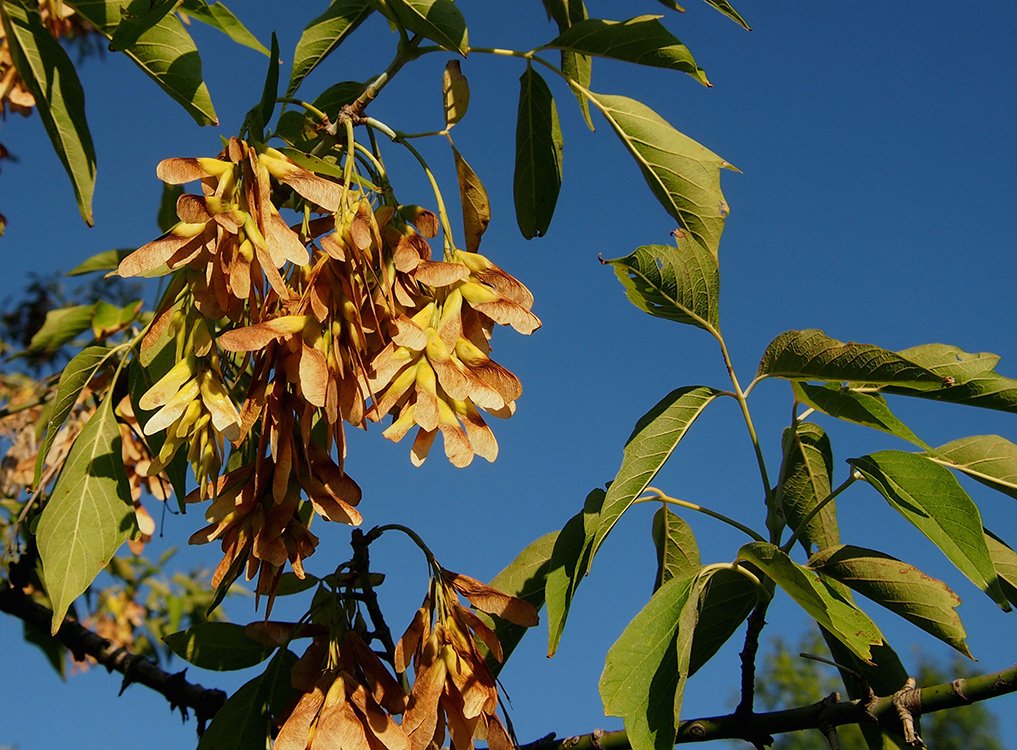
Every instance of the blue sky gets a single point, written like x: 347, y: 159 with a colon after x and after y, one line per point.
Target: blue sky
x: 876, y: 143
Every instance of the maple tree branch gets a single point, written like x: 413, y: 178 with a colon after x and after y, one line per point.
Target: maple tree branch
x: 825, y: 714
x: 757, y: 621
x: 82, y: 642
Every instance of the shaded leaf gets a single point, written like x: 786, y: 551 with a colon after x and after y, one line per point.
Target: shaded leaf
x: 640, y: 682
x: 570, y: 557
x: 806, y: 480
x: 323, y: 35
x: 929, y: 496
x: 167, y: 217
x: 989, y: 459
x: 476, y: 205
x: 110, y: 319
x: 576, y: 67
x: 728, y: 10
x: 972, y: 379
x: 812, y: 355
x: 726, y: 599
x: 60, y: 326
x: 839, y: 616
x: 258, y: 117
x: 643, y: 41
x: 901, y: 588
x: 676, y: 283
x: 88, y: 515
x: 539, y: 148
x: 73, y: 379
x: 683, y: 175
x: 49, y: 74
x: 675, y: 544
x: 220, y: 646
x: 107, y: 260
x: 245, y: 721
x: 455, y: 93
x: 525, y: 578
x: 165, y: 52
x: 437, y: 20
x: 867, y: 409
x: 221, y: 18
x: 1004, y: 559
x: 51, y: 648
x: 656, y: 435
x: 137, y: 17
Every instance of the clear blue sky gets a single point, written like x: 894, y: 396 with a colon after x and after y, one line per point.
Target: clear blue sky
x: 877, y: 144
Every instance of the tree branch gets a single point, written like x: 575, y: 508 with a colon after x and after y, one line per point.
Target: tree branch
x: 825, y: 715
x: 82, y: 642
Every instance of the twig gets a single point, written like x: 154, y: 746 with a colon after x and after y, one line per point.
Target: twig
x: 82, y: 642
x: 361, y: 566
x: 748, y: 658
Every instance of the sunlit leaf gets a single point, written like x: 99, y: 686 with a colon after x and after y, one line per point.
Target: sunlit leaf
x: 806, y: 480
x: 323, y: 35
x: 682, y: 174
x: 1004, y: 559
x: 643, y: 40
x: 930, y: 497
x: 221, y: 18
x: 728, y: 10
x: 812, y: 355
x: 73, y: 379
x: 476, y: 205
x: 137, y: 17
x: 901, y: 588
x: 437, y: 20
x: 165, y: 52
x: 455, y: 93
x: 866, y: 409
x: 576, y: 67
x: 107, y: 260
x: 676, y: 283
x: 49, y: 74
x: 675, y: 544
x: 971, y: 379
x: 88, y: 515
x: 539, y: 148
x: 220, y: 646
x: 570, y: 557
x: 990, y: 459
x: 110, y: 319
x: 641, y: 678
x: 656, y: 435
x: 60, y: 326
x: 851, y: 626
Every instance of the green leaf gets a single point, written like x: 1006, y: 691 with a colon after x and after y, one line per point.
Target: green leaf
x: 683, y: 175
x: 525, y: 577
x: 54, y: 651
x: 672, y: 5
x: 221, y: 18
x: 167, y: 217
x: 867, y: 409
x: 805, y: 480
x: 576, y: 67
x: 539, y: 148
x: 989, y: 459
x: 971, y: 379
x: 220, y: 646
x: 476, y: 205
x: 677, y: 551
x: 49, y: 74
x: 107, y: 260
x: 290, y: 584
x: 726, y: 599
x: 656, y: 435
x: 643, y: 40
x: 73, y: 379
x: 728, y: 10
x: 165, y: 52
x: 1004, y: 559
x: 901, y: 588
x: 60, y: 326
x: 570, y: 557
x: 675, y: 283
x: 851, y: 626
x: 138, y: 17
x: 437, y: 20
x: 245, y: 721
x: 259, y: 116
x: 812, y: 355
x: 929, y: 496
x: 323, y: 35
x: 640, y: 682
x: 88, y: 515
x: 110, y: 319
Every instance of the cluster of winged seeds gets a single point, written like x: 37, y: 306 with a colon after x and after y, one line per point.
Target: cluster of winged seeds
x: 281, y: 334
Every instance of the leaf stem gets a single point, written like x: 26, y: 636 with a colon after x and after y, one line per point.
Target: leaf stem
x: 442, y: 210
x: 377, y: 531
x: 659, y: 496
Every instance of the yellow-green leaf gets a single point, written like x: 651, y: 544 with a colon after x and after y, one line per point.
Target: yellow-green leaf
x: 455, y: 90
x: 323, y: 35
x: 220, y: 646
x: 805, y: 480
x: 868, y: 409
x: 675, y: 544
x: 88, y: 515
x: 438, y: 20
x: 221, y: 18
x: 989, y: 459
